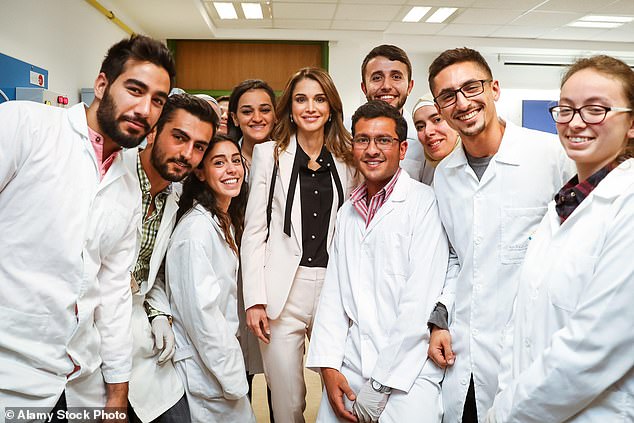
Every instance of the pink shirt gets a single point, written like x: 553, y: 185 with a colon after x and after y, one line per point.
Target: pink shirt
x: 96, y: 140
x: 367, y: 209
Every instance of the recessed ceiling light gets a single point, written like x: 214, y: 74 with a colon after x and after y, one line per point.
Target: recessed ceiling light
x: 597, y: 18
x: 584, y: 24
x: 226, y: 10
x: 416, y: 13
x: 441, y: 14
x: 252, y: 10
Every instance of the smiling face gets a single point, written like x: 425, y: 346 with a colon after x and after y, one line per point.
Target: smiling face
x: 309, y: 108
x: 469, y: 116
x: 594, y: 146
x: 130, y: 106
x: 437, y: 138
x: 224, y: 115
x: 255, y: 116
x: 377, y: 166
x: 180, y: 146
x: 223, y: 172
x: 387, y: 80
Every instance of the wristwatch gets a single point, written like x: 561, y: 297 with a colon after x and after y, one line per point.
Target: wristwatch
x: 380, y: 388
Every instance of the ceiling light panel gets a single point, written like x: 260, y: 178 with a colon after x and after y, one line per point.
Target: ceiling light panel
x: 596, y: 18
x: 440, y: 15
x: 225, y: 10
x: 252, y: 10
x: 588, y: 24
x: 416, y: 14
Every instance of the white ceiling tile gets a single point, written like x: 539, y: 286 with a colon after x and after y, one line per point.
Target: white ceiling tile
x: 582, y: 6
x: 521, y: 31
x: 617, y: 35
x: 443, y: 3
x: 621, y: 7
x: 507, y: 4
x: 540, y: 18
x: 385, y: 2
x: 367, y: 12
x: 572, y: 33
x: 490, y: 16
x: 301, y: 24
x: 463, y: 30
x: 348, y: 25
x: 414, y: 28
x: 296, y: 1
x: 303, y: 10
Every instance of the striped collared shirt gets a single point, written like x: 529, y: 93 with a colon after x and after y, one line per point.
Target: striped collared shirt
x: 367, y: 209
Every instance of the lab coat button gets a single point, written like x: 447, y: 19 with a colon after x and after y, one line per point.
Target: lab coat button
x: 474, y: 332
x: 527, y: 342
x: 463, y: 381
x: 478, y: 240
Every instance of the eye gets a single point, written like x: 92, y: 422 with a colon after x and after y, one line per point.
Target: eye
x: 219, y: 163
x: 361, y: 140
x: 266, y: 110
x: 594, y: 110
x: 446, y: 97
x: 134, y: 90
x: 300, y: 99
x: 237, y: 160
x: 472, y: 87
x: 321, y: 100
x: 437, y: 119
x: 246, y: 112
x: 200, y: 147
x: 397, y: 77
x: 420, y: 127
x: 383, y: 141
x: 376, y: 77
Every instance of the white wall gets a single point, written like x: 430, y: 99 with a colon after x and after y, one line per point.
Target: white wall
x: 69, y: 38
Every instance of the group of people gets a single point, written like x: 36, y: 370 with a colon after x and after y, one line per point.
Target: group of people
x: 445, y: 264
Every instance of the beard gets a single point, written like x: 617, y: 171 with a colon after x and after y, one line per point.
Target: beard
x: 109, y: 123
x: 160, y: 162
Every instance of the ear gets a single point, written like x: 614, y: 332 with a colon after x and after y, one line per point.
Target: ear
x: 101, y: 84
x: 630, y: 132
x: 234, y: 117
x: 495, y: 89
x: 403, y: 149
x: 410, y: 86
x: 200, y: 174
x: 151, y: 137
x: 363, y: 88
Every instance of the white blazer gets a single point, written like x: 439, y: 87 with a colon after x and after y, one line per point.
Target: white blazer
x: 67, y: 246
x: 571, y: 351
x: 202, y: 272
x: 153, y: 388
x: 268, y: 267
x: 381, y: 284
x: 488, y: 223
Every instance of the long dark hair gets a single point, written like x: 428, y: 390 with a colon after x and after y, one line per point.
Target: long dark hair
x: 243, y: 87
x: 195, y: 190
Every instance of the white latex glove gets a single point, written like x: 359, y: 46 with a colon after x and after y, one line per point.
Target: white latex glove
x: 369, y: 404
x: 163, y: 338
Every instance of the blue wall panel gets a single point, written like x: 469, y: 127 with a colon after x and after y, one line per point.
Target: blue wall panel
x: 16, y: 73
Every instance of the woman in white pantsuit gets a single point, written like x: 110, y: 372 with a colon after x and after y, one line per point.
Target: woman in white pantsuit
x: 298, y: 182
x: 202, y: 270
x: 570, y: 345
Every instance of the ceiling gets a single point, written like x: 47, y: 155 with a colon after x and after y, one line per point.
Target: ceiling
x: 512, y: 26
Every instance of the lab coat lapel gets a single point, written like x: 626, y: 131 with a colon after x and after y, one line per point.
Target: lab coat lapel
x: 397, y: 196
x: 286, y: 160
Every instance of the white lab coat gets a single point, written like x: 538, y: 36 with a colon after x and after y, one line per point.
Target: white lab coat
x: 202, y: 271
x: 381, y: 284
x: 571, y: 353
x: 154, y: 388
x: 488, y: 223
x: 67, y: 246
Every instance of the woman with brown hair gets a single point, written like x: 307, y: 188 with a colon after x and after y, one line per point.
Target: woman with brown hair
x: 298, y: 181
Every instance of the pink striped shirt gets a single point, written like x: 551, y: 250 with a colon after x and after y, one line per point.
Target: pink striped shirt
x: 367, y: 209
x: 96, y: 140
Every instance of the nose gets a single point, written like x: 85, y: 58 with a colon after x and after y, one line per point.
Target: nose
x: 257, y: 116
x: 461, y: 100
x: 576, y: 121
x: 310, y: 105
x: 187, y: 150
x: 372, y: 149
x: 143, y: 106
x: 430, y: 130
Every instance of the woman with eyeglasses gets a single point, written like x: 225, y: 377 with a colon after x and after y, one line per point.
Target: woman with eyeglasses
x: 298, y: 181
x: 201, y: 267
x: 570, y: 344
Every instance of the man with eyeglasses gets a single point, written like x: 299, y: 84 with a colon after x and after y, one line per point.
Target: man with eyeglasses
x: 492, y: 193
x: 386, y: 269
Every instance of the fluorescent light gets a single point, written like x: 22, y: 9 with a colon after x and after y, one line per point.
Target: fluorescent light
x: 226, y: 10
x: 441, y: 14
x: 584, y: 24
x: 596, y: 18
x: 252, y: 10
x: 416, y: 14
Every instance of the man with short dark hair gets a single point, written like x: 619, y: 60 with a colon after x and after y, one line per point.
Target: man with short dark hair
x: 173, y: 150
x: 386, y: 75
x: 386, y: 269
x: 68, y: 215
x: 492, y: 193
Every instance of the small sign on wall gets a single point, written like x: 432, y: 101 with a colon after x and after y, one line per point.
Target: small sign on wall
x: 37, y: 79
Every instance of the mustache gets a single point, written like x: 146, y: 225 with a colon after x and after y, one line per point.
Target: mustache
x: 181, y: 161
x: 139, y: 121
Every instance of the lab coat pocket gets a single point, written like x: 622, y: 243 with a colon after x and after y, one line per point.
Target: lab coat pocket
x: 517, y: 226
x: 201, y: 382
x: 569, y: 281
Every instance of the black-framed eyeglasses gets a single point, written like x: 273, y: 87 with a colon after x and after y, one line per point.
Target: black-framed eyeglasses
x: 468, y: 90
x: 591, y: 114
x: 382, y: 143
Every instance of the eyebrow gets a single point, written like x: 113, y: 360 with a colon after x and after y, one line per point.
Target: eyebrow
x: 446, y: 90
x: 144, y: 86
x: 588, y: 100
x: 180, y: 132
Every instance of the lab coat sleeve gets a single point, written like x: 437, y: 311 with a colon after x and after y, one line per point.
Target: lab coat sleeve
x: 156, y: 296
x: 114, y: 313
x: 253, y: 249
x: 448, y: 295
x: 330, y: 330
x: 401, y: 360
x: 15, y: 141
x: 592, y: 351
x: 195, y: 292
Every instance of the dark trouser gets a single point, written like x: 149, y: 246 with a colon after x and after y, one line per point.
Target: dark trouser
x: 268, y: 397
x: 178, y: 413
x: 61, y: 405
x: 470, y: 411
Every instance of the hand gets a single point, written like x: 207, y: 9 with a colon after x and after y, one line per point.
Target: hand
x: 440, y: 347
x: 490, y: 417
x: 337, y: 386
x: 258, y: 322
x: 163, y: 338
x: 117, y: 401
x: 369, y: 404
